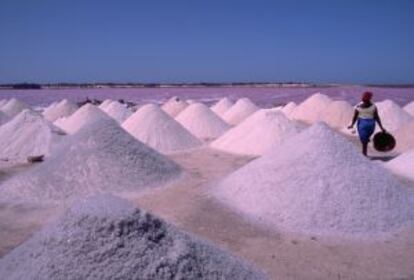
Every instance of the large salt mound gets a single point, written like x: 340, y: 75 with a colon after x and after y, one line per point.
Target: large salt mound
x: 258, y: 134
x: 101, y: 157
x: 392, y: 115
x: 174, y: 106
x: 404, y: 137
x: 221, y: 107
x: 309, y: 110
x: 85, y: 115
x: 318, y: 183
x: 3, y: 118
x: 64, y: 108
x: 105, y: 237
x: 202, y: 122
x: 337, y: 114
x: 3, y: 102
x: 403, y: 165
x: 240, y: 111
x: 159, y: 130
x: 409, y: 108
x: 27, y: 134
x: 13, y: 107
x: 117, y: 111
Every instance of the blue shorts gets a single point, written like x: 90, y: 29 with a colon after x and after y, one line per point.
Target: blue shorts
x: 366, y: 128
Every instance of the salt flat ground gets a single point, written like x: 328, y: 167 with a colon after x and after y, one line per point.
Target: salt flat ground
x: 283, y: 256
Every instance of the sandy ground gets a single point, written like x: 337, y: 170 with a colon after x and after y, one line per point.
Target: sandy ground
x: 283, y: 256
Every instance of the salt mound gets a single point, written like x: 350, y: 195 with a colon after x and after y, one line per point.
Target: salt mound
x: 409, y: 108
x: 174, y: 106
x: 13, y: 107
x: 202, y: 122
x: 240, y: 111
x: 85, y: 115
x: 404, y: 137
x: 318, y: 183
x: 27, y: 134
x: 337, y: 114
x: 105, y: 103
x: 101, y: 157
x: 3, y: 102
x: 403, y: 165
x: 309, y: 110
x: 64, y: 108
x: 117, y: 111
x: 105, y: 237
x: 159, y: 130
x: 258, y: 134
x: 392, y: 115
x: 221, y: 107
x: 3, y: 118
x: 289, y: 108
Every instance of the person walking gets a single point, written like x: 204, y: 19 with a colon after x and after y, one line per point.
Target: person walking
x: 366, y: 115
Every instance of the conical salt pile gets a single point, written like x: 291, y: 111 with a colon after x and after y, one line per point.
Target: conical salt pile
x: 157, y: 129
x: 117, y: 111
x: 319, y: 183
x: 85, y: 115
x: 202, y: 122
x: 404, y: 137
x: 64, y: 108
x: 222, y: 106
x: 337, y: 114
x: 240, y: 111
x: 101, y: 157
x: 3, y: 102
x: 105, y: 237
x: 258, y: 134
x: 105, y: 103
x: 27, y: 134
x: 174, y: 106
x: 392, y: 115
x: 3, y: 118
x: 409, y: 108
x: 289, y: 108
x: 13, y: 107
x: 309, y: 110
x: 403, y: 165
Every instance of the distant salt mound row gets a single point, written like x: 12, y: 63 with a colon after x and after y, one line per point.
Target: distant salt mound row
x: 403, y: 165
x: 117, y: 111
x: 222, y: 106
x: 85, y: 115
x: 105, y: 237
x: 101, y: 157
x: 337, y: 114
x: 3, y: 118
x: 157, y: 129
x: 392, y: 115
x: 258, y: 134
x: 174, y: 106
x: 409, y: 108
x: 289, y: 108
x: 105, y: 103
x: 191, y: 101
x: 13, y: 107
x: 202, y: 122
x: 318, y: 183
x: 240, y: 111
x: 27, y: 134
x: 404, y: 137
x: 64, y: 108
x: 309, y: 110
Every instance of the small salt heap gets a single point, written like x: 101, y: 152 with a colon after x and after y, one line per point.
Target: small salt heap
x: 101, y: 157
x: 403, y: 165
x: 105, y: 237
x: 392, y: 115
x: 409, y: 108
x: 289, y: 108
x: 221, y: 107
x: 64, y: 108
x: 13, y: 107
x: 258, y: 134
x: 3, y: 118
x: 337, y: 114
x: 318, y: 183
x: 404, y: 137
x: 309, y: 110
x: 202, y: 122
x: 240, y: 111
x: 27, y: 135
x: 157, y: 129
x: 117, y: 111
x: 105, y: 103
x: 174, y: 106
x: 3, y: 102
x: 85, y: 115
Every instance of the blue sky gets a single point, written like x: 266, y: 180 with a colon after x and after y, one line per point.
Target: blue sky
x: 191, y: 41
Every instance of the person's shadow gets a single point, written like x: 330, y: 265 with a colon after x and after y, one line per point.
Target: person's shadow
x: 382, y: 158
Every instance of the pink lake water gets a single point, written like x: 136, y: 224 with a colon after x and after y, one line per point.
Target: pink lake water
x: 265, y: 97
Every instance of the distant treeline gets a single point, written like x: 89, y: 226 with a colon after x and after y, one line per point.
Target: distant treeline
x: 22, y: 86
